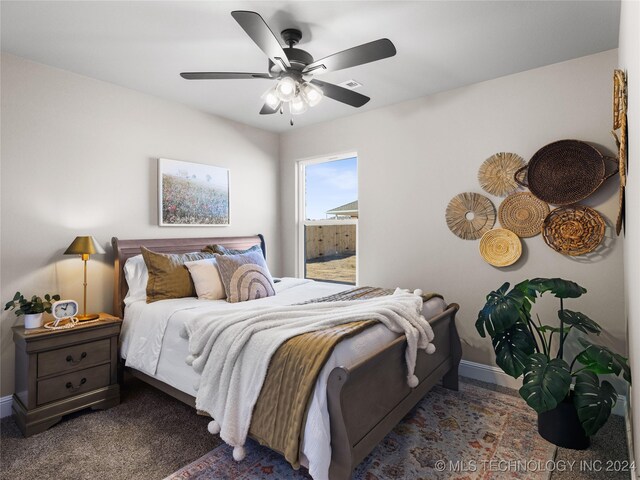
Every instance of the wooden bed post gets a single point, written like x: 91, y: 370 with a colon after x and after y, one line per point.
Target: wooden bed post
x: 361, y: 413
x: 450, y: 380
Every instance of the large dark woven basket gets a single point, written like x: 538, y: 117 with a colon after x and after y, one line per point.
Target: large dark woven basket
x: 565, y: 172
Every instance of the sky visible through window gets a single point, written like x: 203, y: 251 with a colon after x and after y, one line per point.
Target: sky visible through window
x: 329, y: 185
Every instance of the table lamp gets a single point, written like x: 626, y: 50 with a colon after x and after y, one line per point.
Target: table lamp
x: 85, y: 246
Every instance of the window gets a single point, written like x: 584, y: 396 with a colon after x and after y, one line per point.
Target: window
x: 328, y: 219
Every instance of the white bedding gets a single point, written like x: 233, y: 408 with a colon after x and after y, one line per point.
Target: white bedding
x: 151, y: 343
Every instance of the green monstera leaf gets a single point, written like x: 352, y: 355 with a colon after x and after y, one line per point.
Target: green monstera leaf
x: 513, y: 348
x: 593, y: 401
x: 601, y: 360
x: 501, y: 311
x: 579, y: 321
x: 546, y: 382
x: 559, y: 287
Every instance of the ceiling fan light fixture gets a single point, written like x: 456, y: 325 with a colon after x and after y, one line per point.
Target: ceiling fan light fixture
x: 298, y: 105
x: 271, y: 98
x: 311, y: 94
x: 286, y: 89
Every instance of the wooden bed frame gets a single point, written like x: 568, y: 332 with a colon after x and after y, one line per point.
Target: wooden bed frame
x: 365, y: 401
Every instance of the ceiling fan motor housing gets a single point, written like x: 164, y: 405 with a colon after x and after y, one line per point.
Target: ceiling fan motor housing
x: 297, y: 58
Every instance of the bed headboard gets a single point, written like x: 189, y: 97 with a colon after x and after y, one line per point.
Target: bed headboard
x: 124, y: 249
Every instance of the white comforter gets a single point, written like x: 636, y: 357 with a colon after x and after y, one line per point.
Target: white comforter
x: 232, y: 351
x: 151, y: 344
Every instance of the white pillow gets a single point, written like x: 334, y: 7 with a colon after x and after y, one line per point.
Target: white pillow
x: 137, y: 275
x: 206, y: 278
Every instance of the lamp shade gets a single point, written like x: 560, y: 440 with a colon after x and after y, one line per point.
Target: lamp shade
x: 84, y: 246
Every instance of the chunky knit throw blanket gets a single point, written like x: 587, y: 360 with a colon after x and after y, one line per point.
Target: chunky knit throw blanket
x: 232, y: 352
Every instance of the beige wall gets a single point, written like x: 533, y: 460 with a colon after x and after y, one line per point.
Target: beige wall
x: 415, y: 156
x: 629, y: 60
x: 79, y: 157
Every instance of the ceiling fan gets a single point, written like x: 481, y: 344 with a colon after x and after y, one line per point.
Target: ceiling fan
x: 294, y: 69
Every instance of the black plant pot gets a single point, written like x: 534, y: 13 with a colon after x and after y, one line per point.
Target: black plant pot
x: 561, y: 427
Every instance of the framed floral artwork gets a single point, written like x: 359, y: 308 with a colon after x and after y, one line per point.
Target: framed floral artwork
x: 192, y: 194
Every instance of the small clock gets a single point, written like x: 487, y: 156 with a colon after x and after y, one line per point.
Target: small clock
x: 64, y: 309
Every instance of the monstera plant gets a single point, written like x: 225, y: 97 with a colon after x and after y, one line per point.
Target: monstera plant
x: 525, y: 346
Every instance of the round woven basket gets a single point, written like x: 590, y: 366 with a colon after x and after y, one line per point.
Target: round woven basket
x: 469, y: 215
x: 496, y: 174
x: 565, y: 172
x: 500, y: 247
x: 573, y: 230
x: 523, y: 214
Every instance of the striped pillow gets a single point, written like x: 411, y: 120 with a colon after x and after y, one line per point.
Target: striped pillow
x: 222, y: 250
x: 245, y: 277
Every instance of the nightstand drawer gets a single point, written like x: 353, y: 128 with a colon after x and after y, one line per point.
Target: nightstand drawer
x: 75, y: 357
x: 74, y: 383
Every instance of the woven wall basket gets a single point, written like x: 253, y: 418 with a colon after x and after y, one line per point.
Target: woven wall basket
x: 500, y: 247
x: 565, y: 172
x: 469, y: 215
x: 496, y: 174
x: 523, y: 214
x: 573, y: 230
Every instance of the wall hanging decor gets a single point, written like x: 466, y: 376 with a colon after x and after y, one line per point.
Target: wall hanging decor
x: 500, y: 247
x: 523, y: 214
x: 566, y: 171
x: 192, y: 194
x: 496, y: 174
x: 620, y: 122
x: 469, y: 215
x: 574, y: 230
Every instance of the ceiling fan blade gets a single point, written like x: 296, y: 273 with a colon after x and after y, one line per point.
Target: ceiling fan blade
x: 223, y: 75
x: 267, y: 110
x: 341, y: 94
x: 368, y: 52
x: 261, y: 34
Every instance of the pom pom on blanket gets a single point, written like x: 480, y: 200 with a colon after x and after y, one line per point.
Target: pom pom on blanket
x: 239, y: 453
x: 189, y: 359
x: 214, y: 428
x: 431, y: 348
x: 413, y: 381
x: 417, y: 291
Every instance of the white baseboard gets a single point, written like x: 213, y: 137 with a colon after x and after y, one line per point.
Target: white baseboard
x: 495, y: 375
x: 5, y: 406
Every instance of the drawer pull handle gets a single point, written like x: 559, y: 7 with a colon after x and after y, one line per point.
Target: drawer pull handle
x: 70, y: 386
x: 70, y: 359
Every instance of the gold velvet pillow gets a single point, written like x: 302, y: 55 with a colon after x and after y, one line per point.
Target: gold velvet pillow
x: 168, y: 275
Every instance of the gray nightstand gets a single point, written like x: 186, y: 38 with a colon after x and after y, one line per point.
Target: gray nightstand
x: 62, y: 371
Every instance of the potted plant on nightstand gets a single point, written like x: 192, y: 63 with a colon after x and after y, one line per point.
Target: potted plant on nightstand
x: 31, y: 309
x: 571, y: 402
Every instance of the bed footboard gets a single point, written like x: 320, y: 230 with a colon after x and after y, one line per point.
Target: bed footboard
x: 368, y: 400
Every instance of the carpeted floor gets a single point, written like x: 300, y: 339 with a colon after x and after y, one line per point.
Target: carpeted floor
x: 150, y: 436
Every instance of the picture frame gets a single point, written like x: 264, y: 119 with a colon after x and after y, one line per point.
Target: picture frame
x: 192, y: 194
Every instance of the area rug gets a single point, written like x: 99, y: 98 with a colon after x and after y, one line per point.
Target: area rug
x: 471, y: 434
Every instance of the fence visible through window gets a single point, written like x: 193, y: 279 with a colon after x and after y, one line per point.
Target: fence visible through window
x: 330, y: 253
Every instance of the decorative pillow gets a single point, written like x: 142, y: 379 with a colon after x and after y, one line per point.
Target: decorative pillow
x: 206, y: 278
x: 245, y: 276
x: 219, y: 249
x: 168, y: 276
x: 137, y: 276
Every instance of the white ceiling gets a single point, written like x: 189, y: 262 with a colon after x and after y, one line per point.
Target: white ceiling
x: 441, y: 45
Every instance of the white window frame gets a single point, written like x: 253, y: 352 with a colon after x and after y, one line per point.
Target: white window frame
x: 301, y: 222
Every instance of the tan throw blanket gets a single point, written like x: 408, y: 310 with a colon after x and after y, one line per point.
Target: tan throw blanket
x: 280, y: 413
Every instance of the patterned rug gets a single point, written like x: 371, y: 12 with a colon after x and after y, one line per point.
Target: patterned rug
x: 467, y: 435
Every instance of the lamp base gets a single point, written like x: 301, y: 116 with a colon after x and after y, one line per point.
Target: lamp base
x: 87, y: 317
